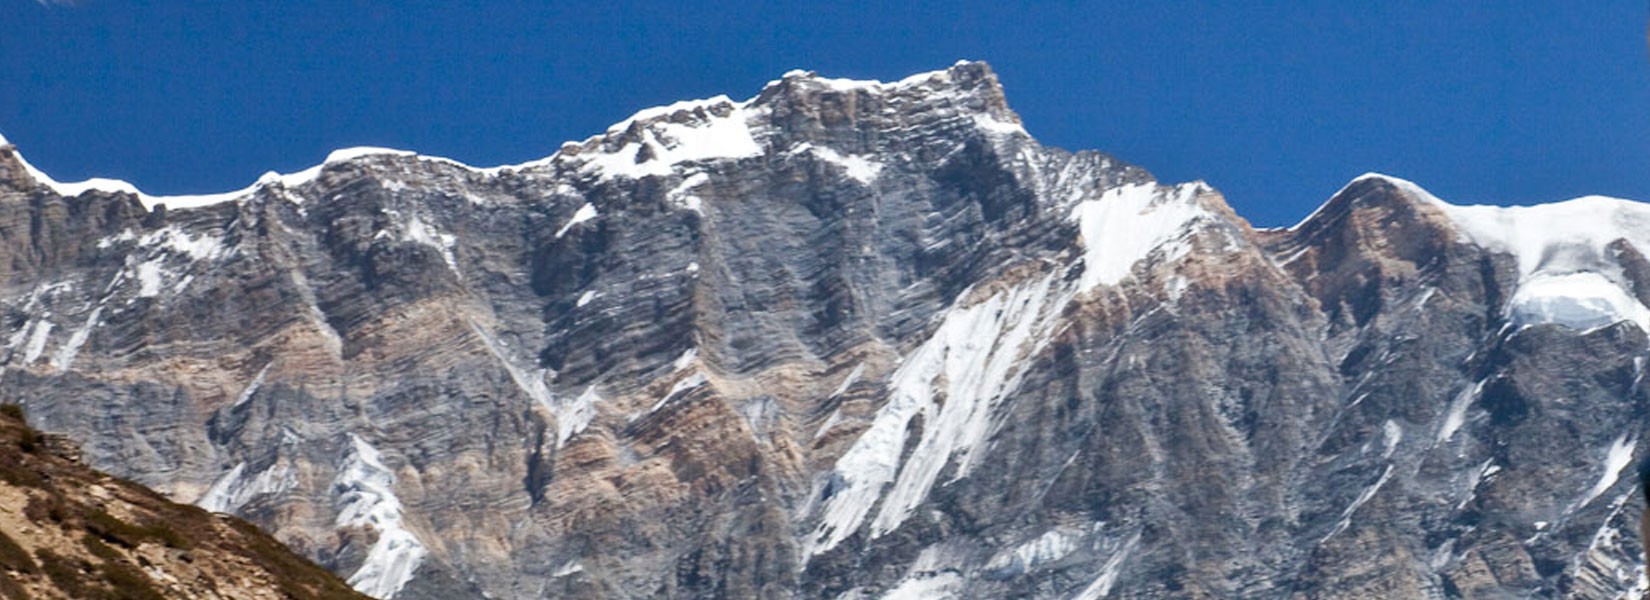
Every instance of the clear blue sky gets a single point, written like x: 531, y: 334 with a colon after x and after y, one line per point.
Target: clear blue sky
x: 1276, y: 106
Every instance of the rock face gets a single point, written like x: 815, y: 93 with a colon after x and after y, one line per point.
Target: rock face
x: 849, y: 340
x: 69, y: 532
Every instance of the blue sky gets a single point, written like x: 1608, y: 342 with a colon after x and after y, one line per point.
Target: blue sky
x: 1277, y: 106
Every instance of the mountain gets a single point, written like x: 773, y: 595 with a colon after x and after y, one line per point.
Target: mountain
x: 67, y: 531
x: 848, y: 339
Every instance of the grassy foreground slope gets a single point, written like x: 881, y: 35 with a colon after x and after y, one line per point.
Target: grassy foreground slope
x: 67, y: 531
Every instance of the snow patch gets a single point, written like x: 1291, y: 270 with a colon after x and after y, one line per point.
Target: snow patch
x: 687, y: 383
x: 1391, y: 435
x: 16, y: 338
x: 1128, y: 223
x: 859, y: 168
x: 1483, y: 474
x: 149, y: 276
x: 1616, y: 458
x: 1364, y: 496
x: 682, y: 195
x: 937, y: 586
x: 365, y: 496
x: 975, y: 354
x: 173, y: 238
x: 1176, y: 287
x: 37, y: 341
x: 1109, y: 572
x: 252, y: 388
x: 66, y: 354
x: 584, y: 213
x: 1581, y: 301
x: 1051, y: 546
x: 993, y: 125
x: 665, y: 141
x: 1456, y: 415
x: 576, y: 416
x: 1567, y: 273
x: 853, y: 376
x: 572, y: 416
x: 418, y: 232
x: 125, y: 235
x: 686, y: 359
x: 234, y: 490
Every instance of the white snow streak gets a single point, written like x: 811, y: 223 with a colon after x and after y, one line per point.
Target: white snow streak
x: 66, y: 354
x: 233, y: 490
x: 365, y: 496
x: 1616, y: 457
x: 975, y: 354
x: 687, y: 383
x: 572, y: 416
x: 37, y: 341
x: 1052, y: 546
x: 1456, y: 415
x: 1364, y: 496
x: 584, y: 213
x: 418, y: 232
x: 686, y: 359
x: 576, y: 415
x: 149, y: 275
x: 1391, y: 434
x: 682, y: 195
x: 1101, y: 587
x: 859, y: 168
x: 938, y: 586
x: 853, y: 376
x: 830, y: 421
x: 252, y: 388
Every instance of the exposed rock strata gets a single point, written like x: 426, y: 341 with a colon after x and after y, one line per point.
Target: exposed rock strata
x: 845, y: 339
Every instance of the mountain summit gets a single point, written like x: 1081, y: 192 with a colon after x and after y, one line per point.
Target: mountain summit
x: 847, y: 339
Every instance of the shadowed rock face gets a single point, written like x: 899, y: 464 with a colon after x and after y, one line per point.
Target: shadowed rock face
x: 845, y: 340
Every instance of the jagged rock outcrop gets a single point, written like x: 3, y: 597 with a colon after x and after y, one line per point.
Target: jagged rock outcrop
x: 848, y: 339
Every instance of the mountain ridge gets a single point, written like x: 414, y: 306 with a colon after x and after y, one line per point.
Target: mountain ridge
x: 846, y: 340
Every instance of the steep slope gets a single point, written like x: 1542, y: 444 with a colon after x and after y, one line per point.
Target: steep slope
x: 847, y: 339
x: 1520, y: 397
x: 67, y: 531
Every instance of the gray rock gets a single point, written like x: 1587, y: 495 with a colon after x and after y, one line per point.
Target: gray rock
x: 840, y: 340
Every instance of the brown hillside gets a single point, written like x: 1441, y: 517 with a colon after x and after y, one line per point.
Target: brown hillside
x: 67, y: 531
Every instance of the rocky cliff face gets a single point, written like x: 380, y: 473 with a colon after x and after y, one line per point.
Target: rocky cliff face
x: 848, y: 340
